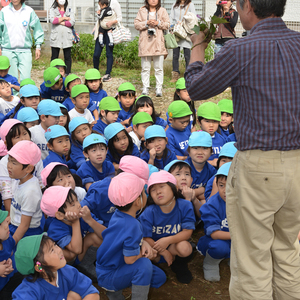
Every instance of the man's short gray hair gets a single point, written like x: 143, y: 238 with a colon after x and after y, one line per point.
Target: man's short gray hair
x: 266, y: 8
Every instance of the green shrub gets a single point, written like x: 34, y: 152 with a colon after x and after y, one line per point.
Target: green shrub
x: 125, y: 54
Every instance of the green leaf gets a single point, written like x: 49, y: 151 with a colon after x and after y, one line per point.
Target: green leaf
x: 216, y: 20
x: 203, y: 27
x: 196, y: 29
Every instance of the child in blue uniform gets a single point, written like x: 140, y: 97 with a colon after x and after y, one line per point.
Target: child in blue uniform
x: 97, y: 167
x: 140, y: 122
x: 123, y: 259
x: 168, y: 223
x: 126, y: 98
x: 29, y: 117
x: 49, y: 112
x: 157, y: 153
x: 58, y: 143
x: 94, y: 83
x: 53, y: 85
x: 4, y: 68
x: 72, y: 228
x: 109, y: 109
x: 215, y: 245
x: 7, y: 261
x: 226, y: 124
x: 231, y: 138
x: 97, y: 196
x: 209, y: 117
x: 79, y: 129
x: 200, y: 150
x: 119, y: 143
x: 29, y: 97
x: 25, y: 212
x: 70, y: 81
x: 49, y: 276
x: 145, y: 103
x: 64, y: 120
x: 226, y: 155
x: 181, y: 93
x: 60, y: 65
x: 179, y: 130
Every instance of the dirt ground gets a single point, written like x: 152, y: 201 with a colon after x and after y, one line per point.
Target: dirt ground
x: 199, y: 288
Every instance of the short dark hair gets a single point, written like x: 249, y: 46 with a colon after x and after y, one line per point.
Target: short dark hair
x: 104, y: 2
x: 90, y: 147
x: 13, y: 132
x: 25, y: 166
x: 180, y: 165
x: 124, y: 208
x: 266, y: 8
x: 69, y: 200
x: 220, y: 177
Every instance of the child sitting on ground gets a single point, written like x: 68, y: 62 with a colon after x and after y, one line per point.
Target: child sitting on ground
x: 123, y: 260
x: 4, y: 68
x: 60, y: 65
x: 49, y: 275
x: 97, y: 167
x: 29, y: 117
x: 7, y: 100
x: 25, y: 208
x: 215, y: 245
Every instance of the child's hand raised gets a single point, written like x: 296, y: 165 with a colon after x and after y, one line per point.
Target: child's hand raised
x: 161, y: 244
x: 152, y: 153
x: 188, y: 193
x: 71, y: 216
x: 148, y: 251
x: 85, y: 213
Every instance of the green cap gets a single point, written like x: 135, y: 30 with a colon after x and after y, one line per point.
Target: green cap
x: 4, y: 62
x: 70, y: 78
x: 3, y: 215
x: 141, y: 117
x: 79, y: 89
x: 180, y: 84
x: 209, y: 111
x: 27, y: 249
x: 57, y: 63
x: 51, y: 76
x: 179, y: 109
x: 92, y: 74
x: 26, y: 81
x: 226, y: 106
x: 141, y: 96
x: 126, y: 86
x: 109, y: 103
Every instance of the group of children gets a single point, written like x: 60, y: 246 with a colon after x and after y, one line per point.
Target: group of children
x: 82, y: 171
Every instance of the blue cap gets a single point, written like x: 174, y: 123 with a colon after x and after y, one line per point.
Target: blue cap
x: 112, y: 129
x: 61, y: 105
x: 92, y: 139
x: 154, y: 131
x: 55, y: 131
x: 173, y: 162
x: 152, y: 169
x: 200, y: 139
x: 29, y: 90
x: 27, y: 114
x: 224, y: 169
x: 228, y: 150
x: 49, y: 107
x: 74, y: 123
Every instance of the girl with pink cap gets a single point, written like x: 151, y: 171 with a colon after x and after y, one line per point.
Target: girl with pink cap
x: 123, y: 259
x: 168, y: 223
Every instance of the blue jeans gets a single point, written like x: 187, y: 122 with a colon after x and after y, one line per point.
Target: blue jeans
x: 109, y: 54
x: 218, y: 47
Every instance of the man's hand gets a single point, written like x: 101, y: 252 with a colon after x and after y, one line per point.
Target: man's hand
x: 37, y: 53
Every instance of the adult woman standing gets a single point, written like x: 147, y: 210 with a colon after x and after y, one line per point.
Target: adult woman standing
x: 16, y: 21
x: 150, y: 21
x: 178, y: 10
x: 116, y: 7
x: 62, y: 19
x: 225, y: 32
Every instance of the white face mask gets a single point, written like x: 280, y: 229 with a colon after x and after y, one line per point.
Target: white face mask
x: 61, y: 2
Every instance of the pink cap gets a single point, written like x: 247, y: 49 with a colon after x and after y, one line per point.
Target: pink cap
x: 48, y: 169
x: 53, y: 198
x: 6, y: 127
x: 125, y: 188
x: 161, y: 177
x: 26, y: 153
x: 3, y: 149
x: 135, y: 165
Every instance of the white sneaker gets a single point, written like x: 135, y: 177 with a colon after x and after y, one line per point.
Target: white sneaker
x: 145, y: 91
x: 158, y: 92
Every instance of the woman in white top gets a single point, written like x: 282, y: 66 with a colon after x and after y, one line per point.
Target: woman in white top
x: 116, y: 7
x: 178, y: 10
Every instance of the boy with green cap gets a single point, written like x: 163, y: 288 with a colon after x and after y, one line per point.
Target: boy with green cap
x: 140, y: 121
x: 81, y: 98
x: 209, y: 117
x: 70, y: 81
x: 179, y: 130
x: 53, y: 85
x: 226, y: 124
x: 60, y: 65
x: 109, y: 110
x: 4, y: 68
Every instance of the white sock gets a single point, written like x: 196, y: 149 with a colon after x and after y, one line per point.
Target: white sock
x: 110, y: 36
x: 101, y: 38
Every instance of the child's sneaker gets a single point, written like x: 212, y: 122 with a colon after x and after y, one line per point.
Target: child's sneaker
x: 106, y: 78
